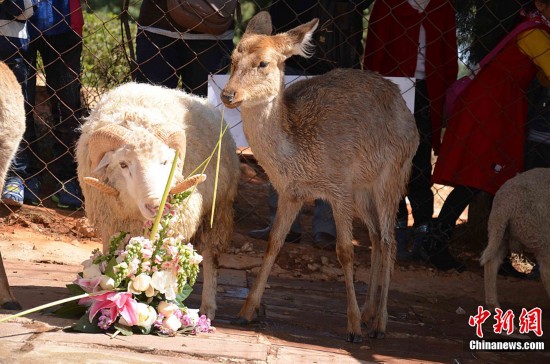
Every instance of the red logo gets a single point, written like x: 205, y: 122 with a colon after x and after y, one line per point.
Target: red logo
x: 529, y: 321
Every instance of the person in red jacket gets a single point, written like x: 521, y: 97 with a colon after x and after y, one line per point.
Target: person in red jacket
x: 484, y: 144
x: 416, y: 39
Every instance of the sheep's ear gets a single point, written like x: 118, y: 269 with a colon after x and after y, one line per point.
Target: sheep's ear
x: 105, y: 188
x: 104, y: 162
x: 188, y: 183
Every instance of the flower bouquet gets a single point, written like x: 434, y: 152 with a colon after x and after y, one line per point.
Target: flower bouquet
x: 140, y: 284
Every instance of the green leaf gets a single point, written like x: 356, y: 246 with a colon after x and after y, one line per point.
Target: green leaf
x: 109, y: 271
x: 84, y: 325
x: 70, y: 310
x: 182, y: 296
x: 75, y: 289
x: 124, y: 330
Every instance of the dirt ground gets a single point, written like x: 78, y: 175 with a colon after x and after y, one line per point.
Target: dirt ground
x: 305, y: 300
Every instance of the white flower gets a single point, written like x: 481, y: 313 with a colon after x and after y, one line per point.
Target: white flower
x: 107, y: 283
x: 87, y: 263
x: 172, y: 323
x: 140, y: 283
x: 146, y: 316
x: 193, y: 315
x: 165, y: 282
x: 91, y: 271
x: 195, y: 259
x: 166, y: 308
x: 150, y: 292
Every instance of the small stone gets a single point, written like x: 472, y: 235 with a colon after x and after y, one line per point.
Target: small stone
x: 313, y: 267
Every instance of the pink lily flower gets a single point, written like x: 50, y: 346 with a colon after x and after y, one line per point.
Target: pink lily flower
x: 89, y: 284
x: 116, y: 303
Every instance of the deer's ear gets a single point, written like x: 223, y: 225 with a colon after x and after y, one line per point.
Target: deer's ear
x: 259, y: 24
x: 298, y: 40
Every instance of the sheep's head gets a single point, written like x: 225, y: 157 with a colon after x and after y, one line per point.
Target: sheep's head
x: 136, y: 172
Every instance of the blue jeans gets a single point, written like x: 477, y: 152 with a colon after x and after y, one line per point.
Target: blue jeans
x: 20, y: 165
x: 61, y: 57
x: 162, y: 60
x: 323, y: 220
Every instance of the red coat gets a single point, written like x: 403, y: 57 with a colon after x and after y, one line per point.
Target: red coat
x: 391, y: 48
x: 483, y: 145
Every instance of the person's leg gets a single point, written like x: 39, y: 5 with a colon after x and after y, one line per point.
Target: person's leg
x: 158, y: 58
x: 205, y: 57
x: 323, y: 226
x: 420, y: 185
x: 61, y: 55
x: 402, y: 232
x: 436, y: 245
x: 537, y: 155
x: 295, y: 234
x: 63, y: 70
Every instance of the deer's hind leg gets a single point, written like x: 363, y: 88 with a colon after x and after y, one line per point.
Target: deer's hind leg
x: 343, y: 217
x: 386, y: 196
x: 366, y: 211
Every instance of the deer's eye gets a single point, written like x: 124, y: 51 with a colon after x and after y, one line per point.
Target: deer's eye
x: 263, y: 64
x: 123, y: 165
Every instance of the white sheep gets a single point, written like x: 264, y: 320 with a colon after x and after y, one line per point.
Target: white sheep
x: 518, y: 221
x: 12, y: 127
x: 124, y: 158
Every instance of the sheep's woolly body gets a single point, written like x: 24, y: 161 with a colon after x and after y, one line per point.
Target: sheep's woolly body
x: 12, y: 127
x: 519, y: 222
x: 140, y: 107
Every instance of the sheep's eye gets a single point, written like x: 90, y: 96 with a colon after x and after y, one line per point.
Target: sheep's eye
x: 123, y: 165
x: 263, y: 64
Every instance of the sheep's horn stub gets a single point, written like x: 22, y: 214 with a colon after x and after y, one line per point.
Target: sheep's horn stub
x: 105, y: 139
x: 172, y: 137
x: 188, y: 183
x: 97, y: 184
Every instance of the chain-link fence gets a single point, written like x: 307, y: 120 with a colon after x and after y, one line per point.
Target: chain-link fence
x: 76, y: 51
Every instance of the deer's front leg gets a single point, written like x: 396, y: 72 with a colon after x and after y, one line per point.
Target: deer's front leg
x: 286, y: 213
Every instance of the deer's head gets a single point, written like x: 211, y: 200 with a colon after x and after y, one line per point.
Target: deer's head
x: 257, y: 63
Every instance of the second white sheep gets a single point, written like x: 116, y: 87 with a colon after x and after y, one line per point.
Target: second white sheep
x: 518, y: 222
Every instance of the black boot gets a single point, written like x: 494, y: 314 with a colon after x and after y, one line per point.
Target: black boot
x: 436, y: 245
x: 402, y: 236
x: 420, y: 234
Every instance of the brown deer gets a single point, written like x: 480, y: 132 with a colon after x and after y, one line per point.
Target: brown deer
x: 346, y: 137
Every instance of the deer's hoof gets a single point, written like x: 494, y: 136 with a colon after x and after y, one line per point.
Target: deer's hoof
x: 240, y: 321
x: 377, y: 334
x: 354, y: 338
x: 12, y: 305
